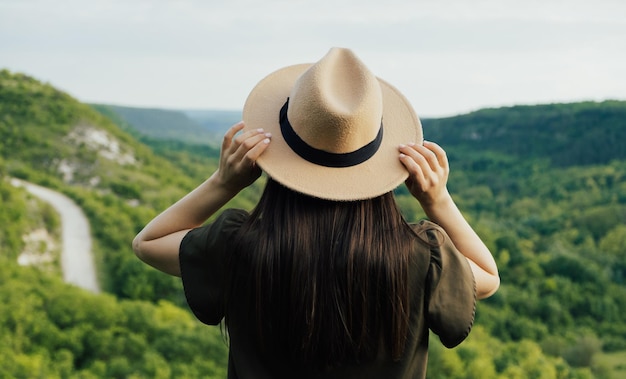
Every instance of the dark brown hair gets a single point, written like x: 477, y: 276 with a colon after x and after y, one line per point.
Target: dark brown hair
x: 323, y: 281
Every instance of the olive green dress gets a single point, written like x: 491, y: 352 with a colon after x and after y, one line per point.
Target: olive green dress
x: 442, y: 300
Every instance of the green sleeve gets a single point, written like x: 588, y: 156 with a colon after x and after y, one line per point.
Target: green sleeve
x: 202, y: 257
x: 451, y: 291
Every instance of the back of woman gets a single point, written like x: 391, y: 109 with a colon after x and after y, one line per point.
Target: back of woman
x: 325, y: 279
x: 325, y: 276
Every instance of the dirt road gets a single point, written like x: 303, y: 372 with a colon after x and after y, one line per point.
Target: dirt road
x: 76, y: 255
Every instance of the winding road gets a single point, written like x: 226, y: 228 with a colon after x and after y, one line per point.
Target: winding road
x: 76, y: 256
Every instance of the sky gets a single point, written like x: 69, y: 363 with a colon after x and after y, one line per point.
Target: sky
x: 447, y: 57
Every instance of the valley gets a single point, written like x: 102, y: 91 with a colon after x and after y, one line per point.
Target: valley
x: 544, y: 185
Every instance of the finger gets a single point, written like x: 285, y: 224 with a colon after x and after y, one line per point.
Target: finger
x: 442, y: 157
x: 429, y: 156
x: 230, y: 134
x: 412, y: 151
x: 247, y: 142
x: 416, y: 174
x: 255, y: 152
x: 240, y: 139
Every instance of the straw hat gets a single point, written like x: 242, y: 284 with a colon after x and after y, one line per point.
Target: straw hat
x: 335, y: 128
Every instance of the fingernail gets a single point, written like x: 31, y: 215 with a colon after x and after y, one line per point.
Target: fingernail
x: 401, y: 146
x: 268, y: 135
x: 266, y: 141
x: 260, y: 130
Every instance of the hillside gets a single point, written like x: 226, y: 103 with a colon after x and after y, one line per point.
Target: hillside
x: 565, y: 134
x: 217, y: 121
x: 53, y: 330
x: 556, y: 228
x: 51, y: 139
x: 195, y: 127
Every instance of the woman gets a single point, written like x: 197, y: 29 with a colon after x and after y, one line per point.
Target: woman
x: 325, y: 279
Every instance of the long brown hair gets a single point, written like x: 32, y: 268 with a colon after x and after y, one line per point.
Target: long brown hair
x: 323, y: 281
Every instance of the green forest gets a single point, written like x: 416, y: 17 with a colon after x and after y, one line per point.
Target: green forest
x: 545, y: 187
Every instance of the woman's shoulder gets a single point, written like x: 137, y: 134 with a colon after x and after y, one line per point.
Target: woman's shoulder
x: 429, y: 231
x: 223, y: 227
x: 434, y: 243
x: 234, y: 214
x: 229, y: 220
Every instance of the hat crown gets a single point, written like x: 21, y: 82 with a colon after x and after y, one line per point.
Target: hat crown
x: 327, y: 139
x: 337, y: 104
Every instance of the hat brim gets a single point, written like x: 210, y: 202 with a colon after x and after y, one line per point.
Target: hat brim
x: 380, y: 174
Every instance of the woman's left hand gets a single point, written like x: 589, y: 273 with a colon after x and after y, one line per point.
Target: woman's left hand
x: 158, y: 243
x: 238, y: 156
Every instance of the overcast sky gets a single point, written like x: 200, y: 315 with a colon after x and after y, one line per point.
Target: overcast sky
x: 448, y: 56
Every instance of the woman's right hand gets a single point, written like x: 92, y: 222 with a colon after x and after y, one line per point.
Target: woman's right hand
x: 428, y: 172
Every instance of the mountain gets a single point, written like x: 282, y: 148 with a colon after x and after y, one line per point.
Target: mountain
x: 49, y: 138
x: 566, y: 134
x: 195, y: 127
x: 217, y: 121
x: 141, y: 327
x: 159, y: 124
x: 553, y: 218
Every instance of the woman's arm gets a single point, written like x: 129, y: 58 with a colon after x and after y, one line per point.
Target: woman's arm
x: 428, y: 175
x: 158, y: 243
